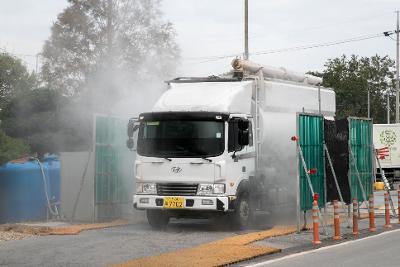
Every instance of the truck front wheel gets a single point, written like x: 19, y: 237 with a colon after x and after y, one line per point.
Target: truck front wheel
x: 242, y: 213
x: 158, y: 219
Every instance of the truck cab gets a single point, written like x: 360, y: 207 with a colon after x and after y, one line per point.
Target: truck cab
x: 194, y: 164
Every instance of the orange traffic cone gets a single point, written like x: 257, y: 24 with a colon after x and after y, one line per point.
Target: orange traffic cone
x: 372, y: 227
x: 336, y: 220
x: 316, y: 240
x: 387, y: 211
x: 355, y: 217
x: 398, y: 204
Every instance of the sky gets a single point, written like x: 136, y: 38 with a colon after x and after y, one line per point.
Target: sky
x: 210, y: 32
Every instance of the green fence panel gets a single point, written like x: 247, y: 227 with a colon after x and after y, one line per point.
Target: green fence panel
x: 113, y: 171
x: 361, y: 143
x: 311, y: 139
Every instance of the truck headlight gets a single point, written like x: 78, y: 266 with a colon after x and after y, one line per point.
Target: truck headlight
x: 219, y: 189
x: 146, y: 188
x: 210, y: 189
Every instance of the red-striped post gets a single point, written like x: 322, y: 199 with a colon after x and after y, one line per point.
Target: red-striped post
x: 372, y: 227
x: 398, y: 204
x: 387, y: 211
x: 355, y: 217
x: 336, y: 220
x: 316, y: 240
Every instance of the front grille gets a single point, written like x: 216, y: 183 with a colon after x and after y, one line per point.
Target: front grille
x: 177, y: 189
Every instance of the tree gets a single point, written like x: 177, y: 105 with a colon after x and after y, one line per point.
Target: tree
x: 11, y: 148
x: 14, y: 78
x: 352, y: 77
x: 99, y: 48
x: 33, y: 117
x: 47, y: 121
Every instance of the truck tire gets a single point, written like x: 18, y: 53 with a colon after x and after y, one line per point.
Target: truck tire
x: 242, y: 214
x: 157, y: 219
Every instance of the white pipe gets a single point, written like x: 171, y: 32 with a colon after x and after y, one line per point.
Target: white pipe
x: 53, y: 212
x: 277, y: 73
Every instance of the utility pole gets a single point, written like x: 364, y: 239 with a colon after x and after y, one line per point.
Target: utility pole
x: 369, y: 83
x: 246, y: 29
x: 397, y: 69
x: 369, y: 105
x: 37, y: 62
x: 109, y: 28
x: 388, y: 108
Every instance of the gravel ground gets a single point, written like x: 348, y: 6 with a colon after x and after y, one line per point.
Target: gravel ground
x: 7, y: 236
x: 107, y: 246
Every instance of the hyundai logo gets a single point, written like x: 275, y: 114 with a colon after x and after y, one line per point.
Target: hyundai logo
x: 176, y: 169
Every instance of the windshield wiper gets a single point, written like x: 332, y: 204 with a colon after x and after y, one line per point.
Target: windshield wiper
x: 207, y: 159
x: 162, y: 158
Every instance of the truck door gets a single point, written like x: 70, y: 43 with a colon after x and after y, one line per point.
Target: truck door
x: 240, y: 164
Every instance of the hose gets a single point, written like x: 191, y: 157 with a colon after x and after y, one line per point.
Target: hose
x: 53, y: 212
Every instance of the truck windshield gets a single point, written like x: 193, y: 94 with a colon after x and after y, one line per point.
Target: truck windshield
x: 181, y: 138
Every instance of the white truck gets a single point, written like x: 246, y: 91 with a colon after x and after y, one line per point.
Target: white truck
x: 221, y: 146
x: 388, y: 136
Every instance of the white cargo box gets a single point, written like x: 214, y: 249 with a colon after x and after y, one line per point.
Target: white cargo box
x: 388, y: 135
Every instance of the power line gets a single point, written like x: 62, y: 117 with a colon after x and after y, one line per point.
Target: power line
x: 296, y: 48
x: 354, y: 39
x: 328, y: 25
x: 256, y: 36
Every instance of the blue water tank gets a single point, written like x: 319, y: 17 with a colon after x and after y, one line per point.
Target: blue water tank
x: 22, y: 195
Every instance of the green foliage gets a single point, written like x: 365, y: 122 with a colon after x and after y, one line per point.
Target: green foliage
x: 11, y: 148
x: 47, y: 121
x: 106, y: 48
x: 32, y: 116
x: 14, y: 78
x: 352, y: 77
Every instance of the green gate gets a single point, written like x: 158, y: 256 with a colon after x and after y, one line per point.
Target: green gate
x: 311, y: 140
x: 361, y: 144
x: 113, y: 161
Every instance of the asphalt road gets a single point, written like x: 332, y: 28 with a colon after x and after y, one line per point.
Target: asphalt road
x: 379, y: 250
x: 107, y: 246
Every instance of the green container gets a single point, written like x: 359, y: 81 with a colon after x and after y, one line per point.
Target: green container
x: 113, y: 164
x: 361, y: 144
x: 311, y: 140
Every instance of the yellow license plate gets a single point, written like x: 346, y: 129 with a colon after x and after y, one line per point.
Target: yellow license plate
x: 174, y: 202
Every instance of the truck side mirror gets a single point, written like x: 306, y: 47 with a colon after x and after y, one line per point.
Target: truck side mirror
x: 130, y: 143
x: 243, y: 137
x: 239, y: 135
x: 243, y: 124
x: 132, y: 127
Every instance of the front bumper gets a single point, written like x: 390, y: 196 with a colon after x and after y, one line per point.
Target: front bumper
x: 191, y: 202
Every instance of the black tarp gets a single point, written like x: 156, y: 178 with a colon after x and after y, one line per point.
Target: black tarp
x: 336, y: 134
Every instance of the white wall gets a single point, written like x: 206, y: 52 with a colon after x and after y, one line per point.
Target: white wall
x: 72, y: 169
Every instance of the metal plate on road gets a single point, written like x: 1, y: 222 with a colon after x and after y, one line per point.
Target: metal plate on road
x: 174, y: 202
